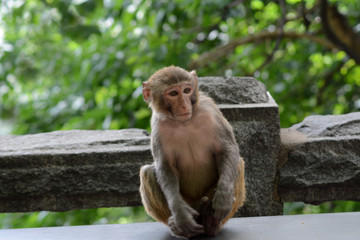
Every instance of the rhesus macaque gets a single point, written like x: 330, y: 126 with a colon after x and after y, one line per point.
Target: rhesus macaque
x: 196, y: 182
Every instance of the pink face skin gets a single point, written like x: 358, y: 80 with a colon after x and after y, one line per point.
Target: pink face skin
x: 179, y: 98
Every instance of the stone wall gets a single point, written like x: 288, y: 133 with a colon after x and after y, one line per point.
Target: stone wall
x: 315, y: 161
x: 254, y: 116
x: 321, y: 160
x: 66, y: 170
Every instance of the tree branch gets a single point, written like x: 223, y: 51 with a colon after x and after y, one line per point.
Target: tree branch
x: 219, y: 52
x: 279, y: 37
x: 328, y: 77
x: 339, y: 31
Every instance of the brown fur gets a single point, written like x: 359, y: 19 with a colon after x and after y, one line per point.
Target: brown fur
x: 156, y: 205
x: 195, y: 156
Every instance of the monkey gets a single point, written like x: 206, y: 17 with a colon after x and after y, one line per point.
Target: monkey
x: 196, y: 182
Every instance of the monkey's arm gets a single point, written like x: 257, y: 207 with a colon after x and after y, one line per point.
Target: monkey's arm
x: 168, y: 180
x: 227, y: 164
x: 169, y: 183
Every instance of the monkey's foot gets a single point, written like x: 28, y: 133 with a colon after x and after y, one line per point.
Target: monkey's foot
x: 177, y: 232
x: 211, y: 225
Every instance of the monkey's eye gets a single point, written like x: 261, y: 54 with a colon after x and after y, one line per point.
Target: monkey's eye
x: 187, y: 90
x: 173, y: 93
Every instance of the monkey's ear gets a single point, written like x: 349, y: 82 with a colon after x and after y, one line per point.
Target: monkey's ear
x: 193, y: 73
x: 146, y: 91
x: 195, y: 96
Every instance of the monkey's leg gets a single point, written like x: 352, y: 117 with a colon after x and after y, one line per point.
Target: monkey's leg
x: 155, y: 202
x: 239, y: 191
x: 211, y: 225
x: 152, y: 197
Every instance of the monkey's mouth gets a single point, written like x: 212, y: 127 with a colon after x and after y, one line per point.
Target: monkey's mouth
x: 183, y: 115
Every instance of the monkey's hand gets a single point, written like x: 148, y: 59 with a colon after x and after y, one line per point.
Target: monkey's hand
x: 183, y: 224
x: 222, y: 202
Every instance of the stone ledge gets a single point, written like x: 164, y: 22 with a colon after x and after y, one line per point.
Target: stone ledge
x: 299, y: 227
x: 261, y: 112
x: 321, y: 159
x: 66, y: 170
x: 234, y: 90
x: 74, y: 142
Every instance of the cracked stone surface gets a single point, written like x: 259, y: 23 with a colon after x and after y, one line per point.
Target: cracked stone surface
x: 64, y: 170
x: 324, y: 163
x: 234, y: 90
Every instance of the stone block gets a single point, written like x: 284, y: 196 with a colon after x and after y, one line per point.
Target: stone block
x: 77, y: 169
x: 321, y: 160
x: 234, y: 90
x: 254, y: 116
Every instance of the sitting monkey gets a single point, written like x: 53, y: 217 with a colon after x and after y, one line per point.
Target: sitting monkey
x: 196, y: 182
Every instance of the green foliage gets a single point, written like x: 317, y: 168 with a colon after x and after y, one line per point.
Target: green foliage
x: 333, y: 207
x: 79, y: 64
x: 75, y: 217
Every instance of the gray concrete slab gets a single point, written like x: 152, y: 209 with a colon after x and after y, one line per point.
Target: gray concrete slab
x: 339, y: 226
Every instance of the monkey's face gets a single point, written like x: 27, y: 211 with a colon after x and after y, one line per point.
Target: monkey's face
x: 178, y: 101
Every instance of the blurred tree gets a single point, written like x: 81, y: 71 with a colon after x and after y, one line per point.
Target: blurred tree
x: 75, y: 217
x: 336, y: 206
x: 79, y: 64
